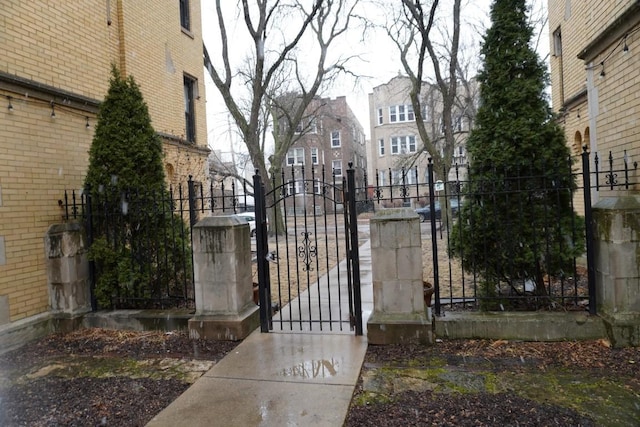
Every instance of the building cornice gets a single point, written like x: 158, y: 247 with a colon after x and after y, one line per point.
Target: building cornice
x: 614, y: 31
x: 183, y: 143
x: 43, y: 92
x: 575, y: 100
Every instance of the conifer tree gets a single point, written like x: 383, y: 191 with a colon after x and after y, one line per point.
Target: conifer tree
x: 517, y: 221
x: 126, y: 152
x: 133, y: 220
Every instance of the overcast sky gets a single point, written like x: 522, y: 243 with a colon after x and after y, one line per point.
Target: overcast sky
x: 379, y: 63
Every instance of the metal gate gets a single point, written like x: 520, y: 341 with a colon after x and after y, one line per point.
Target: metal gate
x: 307, y: 252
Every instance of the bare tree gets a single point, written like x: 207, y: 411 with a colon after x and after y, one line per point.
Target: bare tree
x: 412, y: 31
x: 276, y: 69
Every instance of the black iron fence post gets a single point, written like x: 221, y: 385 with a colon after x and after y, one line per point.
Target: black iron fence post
x: 588, y: 223
x: 92, y: 264
x: 434, y: 243
x: 355, y: 253
x: 261, y: 253
x: 193, y: 213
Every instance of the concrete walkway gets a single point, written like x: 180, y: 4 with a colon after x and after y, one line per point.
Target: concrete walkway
x: 295, y: 378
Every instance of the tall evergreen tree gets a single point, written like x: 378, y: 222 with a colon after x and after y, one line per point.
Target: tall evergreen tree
x: 516, y: 223
x: 126, y: 152
x: 133, y: 224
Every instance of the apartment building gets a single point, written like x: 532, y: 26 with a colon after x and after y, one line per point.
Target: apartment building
x: 595, y: 75
x: 330, y: 139
x: 54, y: 72
x: 396, y: 149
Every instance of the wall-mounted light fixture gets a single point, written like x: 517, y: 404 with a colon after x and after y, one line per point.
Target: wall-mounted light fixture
x: 625, y: 46
x: 10, y: 106
x: 602, y: 73
x: 87, y: 124
x: 53, y: 110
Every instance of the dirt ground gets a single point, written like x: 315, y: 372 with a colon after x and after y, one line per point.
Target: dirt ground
x: 123, y: 378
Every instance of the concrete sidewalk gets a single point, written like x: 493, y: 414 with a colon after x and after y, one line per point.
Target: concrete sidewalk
x: 279, y: 378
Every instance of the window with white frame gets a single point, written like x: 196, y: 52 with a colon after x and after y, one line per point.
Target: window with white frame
x: 396, y: 177
x: 393, y: 114
x: 313, y: 125
x: 314, y: 156
x: 412, y: 176
x: 402, y: 116
x: 381, y: 147
x: 382, y: 178
x: 411, y: 144
x: 295, y: 156
x: 401, y: 113
x: 380, y: 119
x: 403, y: 144
x: 335, y: 138
x: 317, y: 188
x: 410, y: 116
x: 336, y: 165
x: 295, y: 187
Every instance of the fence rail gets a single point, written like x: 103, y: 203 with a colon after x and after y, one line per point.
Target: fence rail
x: 161, y: 265
x: 461, y: 281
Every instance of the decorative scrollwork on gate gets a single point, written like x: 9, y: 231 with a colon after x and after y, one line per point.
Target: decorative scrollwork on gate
x: 307, y: 251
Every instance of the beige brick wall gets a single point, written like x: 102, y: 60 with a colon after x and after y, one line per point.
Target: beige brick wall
x: 69, y: 46
x: 39, y: 158
x: 610, y: 117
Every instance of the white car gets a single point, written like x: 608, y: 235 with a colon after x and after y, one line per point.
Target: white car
x: 250, y: 217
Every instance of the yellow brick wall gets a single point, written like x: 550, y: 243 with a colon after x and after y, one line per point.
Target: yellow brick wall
x: 39, y: 158
x: 614, y: 99
x: 70, y: 46
x: 59, y: 43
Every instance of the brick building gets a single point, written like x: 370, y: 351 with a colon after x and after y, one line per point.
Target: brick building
x: 395, y: 141
x: 54, y: 72
x: 595, y: 75
x: 331, y: 137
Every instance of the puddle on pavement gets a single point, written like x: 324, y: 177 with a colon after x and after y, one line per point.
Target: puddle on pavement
x: 310, y: 369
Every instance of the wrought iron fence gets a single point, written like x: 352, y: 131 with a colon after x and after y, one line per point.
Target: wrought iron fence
x: 560, y: 248
x: 140, y: 241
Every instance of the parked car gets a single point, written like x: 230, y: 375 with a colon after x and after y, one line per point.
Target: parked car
x: 425, y: 212
x: 250, y: 217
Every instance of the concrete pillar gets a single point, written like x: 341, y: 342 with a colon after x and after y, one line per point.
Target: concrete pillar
x: 67, y: 269
x: 617, y: 266
x: 398, y: 300
x: 223, y: 286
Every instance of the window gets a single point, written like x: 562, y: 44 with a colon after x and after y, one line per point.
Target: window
x: 393, y: 115
x: 380, y: 116
x: 299, y: 128
x: 381, y: 147
x: 189, y: 108
x: 313, y: 125
x: 295, y: 156
x: 402, y: 117
x: 317, y: 188
x: 403, y: 144
x: 335, y: 138
x: 410, y: 116
x: 557, y: 42
x: 314, y: 156
x: 395, y: 147
x: 295, y: 187
x: 336, y: 165
x: 412, y: 176
x: 411, y: 144
x: 401, y: 113
x: 185, y: 16
x: 382, y: 178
